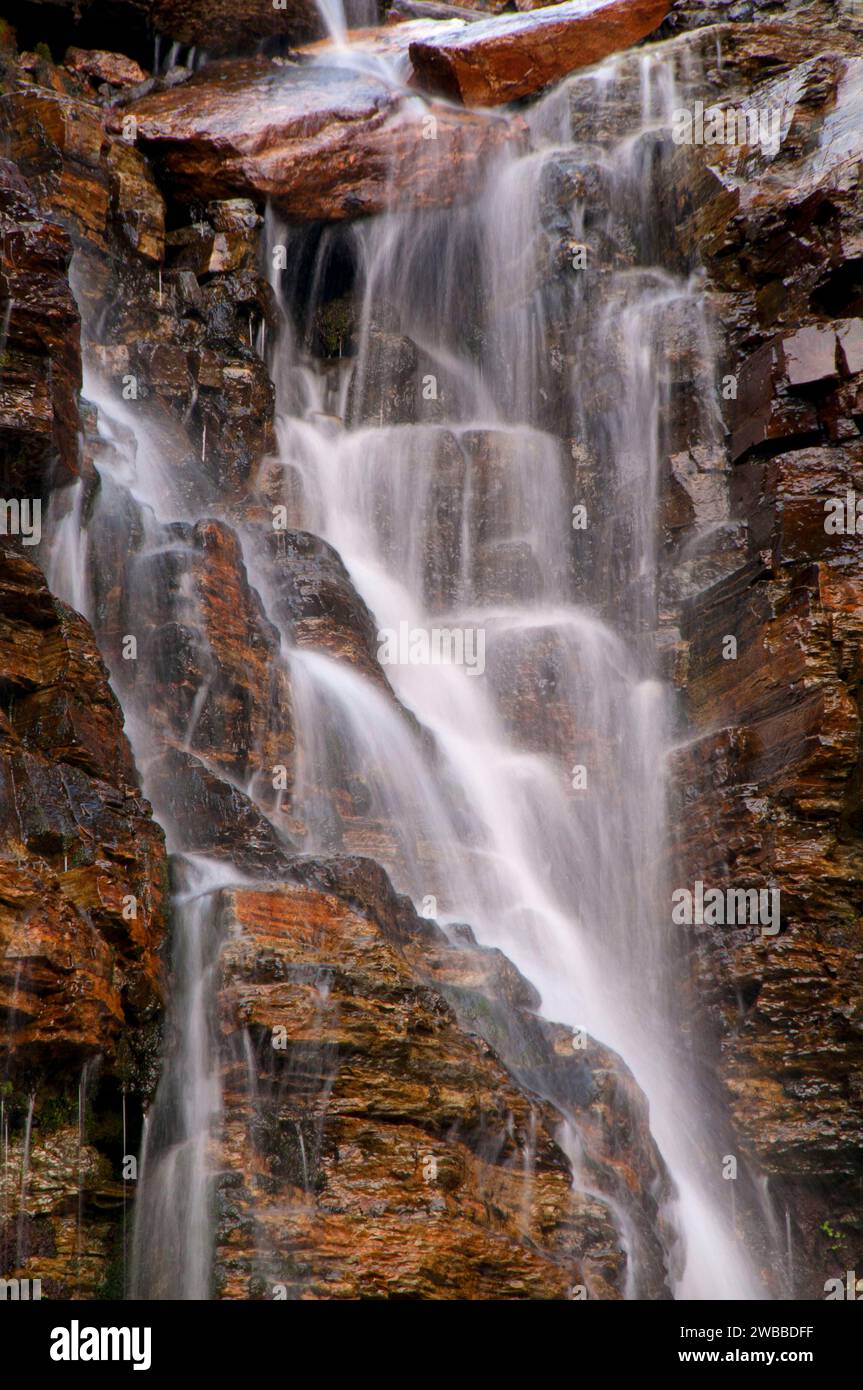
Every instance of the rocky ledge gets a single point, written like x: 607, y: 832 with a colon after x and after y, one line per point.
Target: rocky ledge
x: 501, y: 59
x: 322, y: 143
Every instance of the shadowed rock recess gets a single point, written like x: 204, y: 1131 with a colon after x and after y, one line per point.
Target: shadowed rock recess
x: 325, y: 974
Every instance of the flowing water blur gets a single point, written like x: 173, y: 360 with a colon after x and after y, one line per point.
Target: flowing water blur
x: 545, y: 833
x: 172, y: 1249
x: 568, y: 882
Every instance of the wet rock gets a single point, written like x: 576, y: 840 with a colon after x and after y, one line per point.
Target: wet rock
x: 315, y: 601
x: 768, y: 791
x: 181, y: 347
x: 700, y: 14
x: 83, y: 898
x: 136, y: 208
x: 207, y: 815
x: 101, y: 190
x: 211, y: 670
x: 401, y: 1155
x: 388, y: 391
x: 430, y: 9
x: 502, y: 59
x: 73, y: 1256
x: 322, y: 143
x: 208, y: 252
x: 84, y: 890
x: 229, y: 26
x: 40, y: 362
x: 233, y: 26
x: 112, y: 68
x: 83, y: 880
x: 765, y: 410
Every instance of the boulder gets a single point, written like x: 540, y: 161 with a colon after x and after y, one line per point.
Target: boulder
x: 501, y: 59
x: 323, y: 143
x: 113, y: 68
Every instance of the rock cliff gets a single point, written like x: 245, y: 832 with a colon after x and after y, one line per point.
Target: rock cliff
x: 398, y: 1119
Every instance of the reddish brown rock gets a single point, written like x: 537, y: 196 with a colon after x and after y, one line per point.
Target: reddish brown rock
x: 210, y: 671
x: 113, y: 68
x: 99, y: 189
x: 188, y: 336
x: 502, y: 59
x: 40, y: 371
x: 377, y: 1144
x: 768, y: 791
x: 322, y: 143
x: 314, y: 600
x: 232, y: 26
x: 78, y: 835
x: 83, y: 894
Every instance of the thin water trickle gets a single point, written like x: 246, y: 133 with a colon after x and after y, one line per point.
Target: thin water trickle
x: 171, y: 1242
x: 123, y: 1157
x: 4, y: 1140
x: 25, y: 1175
x: 83, y: 1085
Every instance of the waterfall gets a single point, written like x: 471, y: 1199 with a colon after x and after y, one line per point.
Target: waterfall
x: 338, y: 16
x: 567, y: 880
x: 25, y: 1173
x: 522, y: 790
x: 171, y: 1248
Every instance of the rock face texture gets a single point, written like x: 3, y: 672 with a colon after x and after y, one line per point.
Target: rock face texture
x: 770, y: 786
x: 502, y: 59
x: 83, y: 834
x: 233, y: 26
x: 324, y: 144
x: 376, y: 1143
x: 129, y: 26
x: 83, y: 871
x: 83, y: 898
x: 101, y: 191
x: 41, y: 355
x: 695, y: 14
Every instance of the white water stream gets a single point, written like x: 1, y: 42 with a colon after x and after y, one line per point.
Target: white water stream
x: 460, y: 518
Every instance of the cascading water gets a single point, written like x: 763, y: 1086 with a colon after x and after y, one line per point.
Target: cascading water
x: 520, y: 789
x: 171, y: 1252
x: 566, y: 879
x: 171, y: 1248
